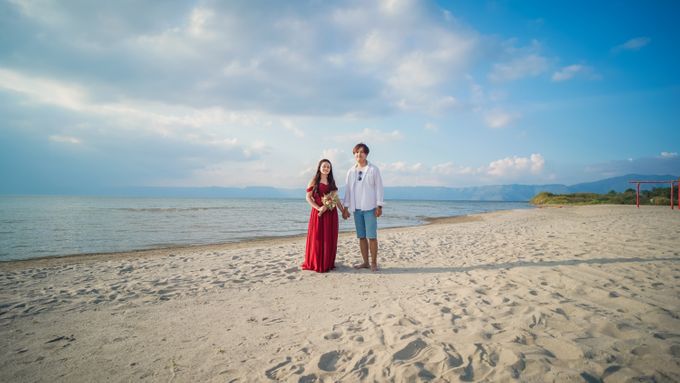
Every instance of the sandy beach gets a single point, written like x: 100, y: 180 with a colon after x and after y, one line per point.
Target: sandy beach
x: 554, y: 294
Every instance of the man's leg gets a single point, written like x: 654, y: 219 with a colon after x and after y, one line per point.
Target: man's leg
x: 374, y: 254
x: 363, y: 245
x: 372, y: 235
x: 361, y: 234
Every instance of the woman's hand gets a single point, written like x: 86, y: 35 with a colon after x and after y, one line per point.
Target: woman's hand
x: 321, y: 209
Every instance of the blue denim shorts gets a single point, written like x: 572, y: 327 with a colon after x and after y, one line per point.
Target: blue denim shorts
x: 366, y: 223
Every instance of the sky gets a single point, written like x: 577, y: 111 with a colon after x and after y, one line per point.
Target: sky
x: 97, y: 95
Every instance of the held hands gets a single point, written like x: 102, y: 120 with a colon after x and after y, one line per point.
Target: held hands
x: 378, y: 211
x: 345, y: 214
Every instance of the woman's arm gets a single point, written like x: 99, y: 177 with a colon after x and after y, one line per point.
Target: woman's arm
x: 343, y: 209
x: 310, y: 198
x: 340, y: 206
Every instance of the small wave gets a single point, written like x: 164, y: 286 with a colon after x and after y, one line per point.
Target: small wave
x: 170, y: 209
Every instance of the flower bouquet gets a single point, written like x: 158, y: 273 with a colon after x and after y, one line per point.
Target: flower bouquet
x: 330, y: 201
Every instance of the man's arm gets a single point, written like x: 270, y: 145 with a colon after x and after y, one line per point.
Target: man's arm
x: 379, y: 193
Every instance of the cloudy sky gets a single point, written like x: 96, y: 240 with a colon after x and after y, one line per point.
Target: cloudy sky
x: 234, y: 93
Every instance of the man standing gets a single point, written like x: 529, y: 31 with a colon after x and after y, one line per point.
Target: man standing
x: 364, y: 197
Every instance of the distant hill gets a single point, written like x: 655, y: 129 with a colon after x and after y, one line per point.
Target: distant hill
x: 620, y: 184
x: 478, y: 193
x: 521, y: 192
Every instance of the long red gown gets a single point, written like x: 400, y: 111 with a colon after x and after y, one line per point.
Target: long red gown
x: 322, y: 236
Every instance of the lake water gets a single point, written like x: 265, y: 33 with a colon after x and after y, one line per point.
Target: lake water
x: 41, y: 226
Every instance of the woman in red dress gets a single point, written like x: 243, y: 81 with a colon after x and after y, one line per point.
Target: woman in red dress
x: 322, y: 233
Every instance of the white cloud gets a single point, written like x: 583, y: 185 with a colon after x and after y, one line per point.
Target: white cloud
x: 43, y: 90
x: 394, y: 7
x: 537, y: 163
x: 669, y: 154
x: 572, y: 71
x: 634, y: 44
x: 414, y: 72
x: 65, y: 139
x: 431, y: 127
x: 446, y: 103
x: 290, y: 126
x: 514, y: 166
x: 371, y: 135
x: 158, y: 118
x: 256, y: 149
x: 509, y: 169
x: 228, y: 173
x: 340, y: 159
x: 498, y: 118
x: 402, y: 167
x: 450, y: 169
x: 377, y: 48
x: 199, y: 22
x: 247, y: 57
x: 528, y: 66
x: 445, y: 169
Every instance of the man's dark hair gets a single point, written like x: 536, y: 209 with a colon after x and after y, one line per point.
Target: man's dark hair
x: 360, y: 145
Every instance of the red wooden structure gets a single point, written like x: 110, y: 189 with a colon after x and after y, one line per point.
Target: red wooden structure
x: 672, y: 182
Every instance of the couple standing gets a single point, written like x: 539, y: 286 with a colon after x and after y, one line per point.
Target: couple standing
x: 363, y: 197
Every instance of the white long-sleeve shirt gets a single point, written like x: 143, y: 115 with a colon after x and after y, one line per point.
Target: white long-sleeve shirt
x: 369, y: 195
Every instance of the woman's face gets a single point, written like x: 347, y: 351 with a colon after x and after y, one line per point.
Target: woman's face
x: 325, y: 168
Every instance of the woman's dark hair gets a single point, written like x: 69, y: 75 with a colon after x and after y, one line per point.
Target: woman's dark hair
x: 317, y: 177
x: 360, y: 145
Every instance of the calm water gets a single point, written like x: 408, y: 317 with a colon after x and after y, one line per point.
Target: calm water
x: 39, y: 226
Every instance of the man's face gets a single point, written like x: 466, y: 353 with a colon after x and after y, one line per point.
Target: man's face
x: 360, y: 155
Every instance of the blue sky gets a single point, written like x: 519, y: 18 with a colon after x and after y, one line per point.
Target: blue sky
x: 97, y: 95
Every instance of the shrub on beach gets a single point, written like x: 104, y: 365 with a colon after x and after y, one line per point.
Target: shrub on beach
x: 657, y: 196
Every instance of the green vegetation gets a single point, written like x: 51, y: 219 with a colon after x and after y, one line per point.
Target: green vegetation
x: 657, y: 196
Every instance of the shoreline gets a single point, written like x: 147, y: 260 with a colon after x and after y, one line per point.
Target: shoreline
x: 56, y: 260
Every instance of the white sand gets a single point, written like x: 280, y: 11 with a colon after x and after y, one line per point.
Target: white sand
x: 556, y: 294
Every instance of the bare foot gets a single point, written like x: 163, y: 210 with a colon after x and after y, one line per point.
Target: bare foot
x: 374, y: 268
x: 361, y: 266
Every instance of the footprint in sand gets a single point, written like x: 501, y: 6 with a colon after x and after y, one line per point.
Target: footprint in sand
x: 675, y: 351
x: 468, y: 374
x: 328, y: 360
x: 284, y: 369
x: 518, y: 366
x: 360, y: 369
x: 311, y: 378
x: 332, y: 336
x: 561, y: 312
x: 410, y: 351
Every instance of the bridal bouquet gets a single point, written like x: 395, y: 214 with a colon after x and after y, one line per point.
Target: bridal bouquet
x: 330, y: 201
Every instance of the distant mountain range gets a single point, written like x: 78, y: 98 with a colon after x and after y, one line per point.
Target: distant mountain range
x: 478, y: 193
